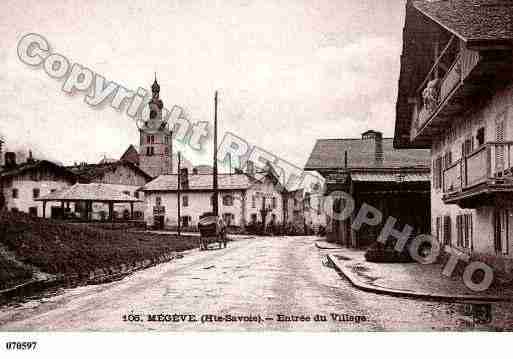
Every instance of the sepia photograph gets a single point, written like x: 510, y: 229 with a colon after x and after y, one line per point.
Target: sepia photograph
x: 261, y: 166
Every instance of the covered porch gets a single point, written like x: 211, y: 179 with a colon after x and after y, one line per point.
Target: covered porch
x: 84, y: 196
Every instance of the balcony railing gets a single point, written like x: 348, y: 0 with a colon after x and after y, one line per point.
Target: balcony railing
x: 429, y: 106
x: 452, y: 178
x: 490, y: 163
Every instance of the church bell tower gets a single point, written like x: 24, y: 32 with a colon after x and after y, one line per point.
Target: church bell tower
x: 155, y: 146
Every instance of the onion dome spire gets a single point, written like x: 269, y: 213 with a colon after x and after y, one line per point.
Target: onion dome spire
x: 155, y: 88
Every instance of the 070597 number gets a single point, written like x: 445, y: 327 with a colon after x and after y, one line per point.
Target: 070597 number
x: 20, y: 345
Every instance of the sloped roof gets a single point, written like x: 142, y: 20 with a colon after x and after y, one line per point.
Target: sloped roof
x: 131, y: 155
x: 478, y: 23
x: 92, y: 172
x: 199, y: 182
x: 89, y: 192
x: 29, y: 166
x: 329, y: 153
x: 472, y: 20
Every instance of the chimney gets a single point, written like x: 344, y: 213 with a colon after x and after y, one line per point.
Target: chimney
x: 377, y: 138
x: 30, y: 158
x: 184, y: 178
x: 10, y: 160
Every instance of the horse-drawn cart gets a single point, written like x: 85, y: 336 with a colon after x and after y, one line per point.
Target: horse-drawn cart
x: 212, y: 229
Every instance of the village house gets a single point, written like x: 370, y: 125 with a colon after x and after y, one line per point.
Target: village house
x: 120, y: 176
x: 243, y: 199
x: 22, y: 184
x: 372, y: 172
x: 456, y: 98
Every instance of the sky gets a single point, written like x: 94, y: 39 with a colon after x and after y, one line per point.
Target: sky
x: 287, y: 72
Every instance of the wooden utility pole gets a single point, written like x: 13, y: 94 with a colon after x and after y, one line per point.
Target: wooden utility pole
x: 215, y: 204
x: 171, y: 153
x: 178, y: 191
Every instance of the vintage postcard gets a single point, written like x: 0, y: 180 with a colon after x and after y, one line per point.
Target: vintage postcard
x: 241, y: 165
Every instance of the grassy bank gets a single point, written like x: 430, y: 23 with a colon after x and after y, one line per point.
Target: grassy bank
x: 12, y: 274
x: 68, y: 249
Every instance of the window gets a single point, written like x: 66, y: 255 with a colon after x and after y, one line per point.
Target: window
x: 136, y: 194
x: 185, y: 201
x: 150, y: 151
x: 53, y: 190
x: 148, y: 138
x: 253, y: 201
x: 152, y: 139
x: 158, y: 201
x: 464, y: 230
x: 228, y: 200
x: 437, y: 173
x: 126, y: 193
x: 33, y: 211
x: 166, y: 140
x: 14, y: 193
x: 35, y: 193
x: 447, y: 230
x: 480, y: 137
x: 467, y: 147
x: 253, y: 218
x: 295, y: 202
x: 318, y: 207
x: 447, y: 159
x: 273, y: 203
x: 503, y: 227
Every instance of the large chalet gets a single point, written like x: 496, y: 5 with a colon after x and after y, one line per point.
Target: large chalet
x: 455, y: 97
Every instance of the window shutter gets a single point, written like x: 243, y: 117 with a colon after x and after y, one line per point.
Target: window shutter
x: 438, y: 172
x: 459, y: 231
x: 439, y: 229
x: 471, y: 232
x: 435, y: 171
x: 497, y: 237
x: 447, y: 230
x: 499, y: 149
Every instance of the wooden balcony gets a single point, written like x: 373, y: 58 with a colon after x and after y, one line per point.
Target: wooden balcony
x: 458, y: 84
x: 478, y: 178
